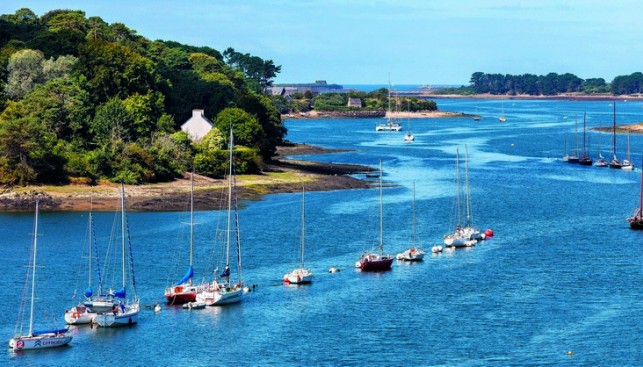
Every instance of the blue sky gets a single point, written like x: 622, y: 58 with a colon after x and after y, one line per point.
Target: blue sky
x: 417, y: 42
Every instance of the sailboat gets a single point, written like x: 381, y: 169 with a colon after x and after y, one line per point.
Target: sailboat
x: 566, y: 156
x: 391, y: 123
x: 502, y: 117
x: 300, y: 275
x: 636, y: 220
x: 224, y: 290
x: 601, y: 162
x: 184, y: 291
x: 573, y: 158
x: 627, y: 163
x: 81, y: 313
x: 373, y: 261
x: 614, y: 163
x: 476, y: 117
x: 585, y: 159
x: 414, y: 253
x: 124, y: 312
x: 467, y: 235
x: 37, y: 339
x: 408, y: 137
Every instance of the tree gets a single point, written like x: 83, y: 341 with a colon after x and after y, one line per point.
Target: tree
x: 246, y: 128
x: 25, y: 71
x: 259, y: 71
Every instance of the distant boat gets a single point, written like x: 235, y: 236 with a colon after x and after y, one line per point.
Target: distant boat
x: 585, y: 159
x: 126, y: 311
x: 43, y: 338
x: 224, y: 290
x: 184, y: 291
x: 502, y: 117
x: 373, y: 261
x: 601, y: 162
x: 301, y: 275
x: 414, y: 253
x: 467, y: 235
x: 614, y: 163
x: 627, y: 163
x: 476, y: 117
x: 391, y: 123
x: 636, y: 220
x: 573, y: 158
x: 408, y: 137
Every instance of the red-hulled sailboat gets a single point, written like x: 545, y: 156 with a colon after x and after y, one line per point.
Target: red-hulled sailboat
x: 374, y: 261
x: 184, y: 291
x: 636, y: 220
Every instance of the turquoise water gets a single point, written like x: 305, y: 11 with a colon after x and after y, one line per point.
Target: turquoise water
x: 563, y: 272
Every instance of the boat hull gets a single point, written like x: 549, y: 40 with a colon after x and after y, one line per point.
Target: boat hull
x: 413, y: 254
x: 79, y: 315
x: 299, y: 276
x: 181, y: 294
x: 39, y: 342
x: 120, y: 318
x: 375, y: 262
x: 99, y: 306
x: 222, y: 296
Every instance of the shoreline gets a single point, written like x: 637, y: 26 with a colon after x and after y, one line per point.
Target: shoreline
x: 280, y: 176
x: 400, y: 114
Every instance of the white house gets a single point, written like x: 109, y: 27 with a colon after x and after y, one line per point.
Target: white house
x: 197, y: 126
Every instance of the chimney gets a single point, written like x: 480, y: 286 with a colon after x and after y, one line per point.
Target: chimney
x: 197, y: 113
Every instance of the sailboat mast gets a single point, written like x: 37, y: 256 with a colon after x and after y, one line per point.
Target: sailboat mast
x: 33, y: 270
x: 457, y: 184
x: 584, y: 127
x: 614, y: 130
x: 381, y: 214
x: 91, y: 243
x: 227, y: 261
x: 191, y: 221
x: 303, y: 224
x: 123, y: 228
x: 467, y: 192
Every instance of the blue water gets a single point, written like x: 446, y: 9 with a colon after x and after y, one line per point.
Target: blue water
x: 563, y: 272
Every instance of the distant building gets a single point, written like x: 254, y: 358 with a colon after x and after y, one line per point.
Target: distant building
x: 197, y: 126
x: 355, y: 102
x: 318, y: 87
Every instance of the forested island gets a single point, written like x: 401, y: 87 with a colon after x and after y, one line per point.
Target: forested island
x: 83, y: 100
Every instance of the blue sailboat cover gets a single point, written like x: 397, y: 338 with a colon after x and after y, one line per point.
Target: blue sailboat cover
x: 186, y: 277
x: 89, y: 292
x: 120, y: 293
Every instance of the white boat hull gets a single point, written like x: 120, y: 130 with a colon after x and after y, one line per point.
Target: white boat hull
x: 222, y: 296
x: 196, y: 305
x: 412, y: 254
x: 79, y: 316
x: 120, y: 318
x: 99, y: 306
x: 299, y: 276
x: 39, y: 342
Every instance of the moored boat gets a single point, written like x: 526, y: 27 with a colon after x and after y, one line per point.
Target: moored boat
x: 636, y: 220
x: 35, y: 339
x: 373, y: 261
x: 414, y: 253
x: 301, y: 275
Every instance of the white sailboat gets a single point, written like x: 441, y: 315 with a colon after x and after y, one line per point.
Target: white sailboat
x: 125, y: 311
x: 408, y: 137
x: 627, y: 164
x: 184, y: 291
x: 413, y: 253
x: 391, y: 123
x: 467, y: 235
x: 301, y: 275
x: 225, y: 291
x: 81, y: 313
x: 37, y: 339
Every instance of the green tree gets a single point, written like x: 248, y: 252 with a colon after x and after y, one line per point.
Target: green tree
x: 25, y: 71
x: 247, y: 130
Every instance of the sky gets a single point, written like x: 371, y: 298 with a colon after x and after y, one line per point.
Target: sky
x: 431, y: 42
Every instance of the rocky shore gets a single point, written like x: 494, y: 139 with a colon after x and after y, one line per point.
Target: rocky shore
x: 282, y: 175
x: 375, y: 114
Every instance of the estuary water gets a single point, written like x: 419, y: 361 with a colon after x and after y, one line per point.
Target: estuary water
x: 563, y: 272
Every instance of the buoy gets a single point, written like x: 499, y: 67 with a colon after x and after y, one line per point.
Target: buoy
x: 488, y: 232
x: 570, y: 353
x: 157, y: 308
x: 333, y: 270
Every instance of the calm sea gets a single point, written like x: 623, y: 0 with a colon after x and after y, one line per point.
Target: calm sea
x: 563, y: 272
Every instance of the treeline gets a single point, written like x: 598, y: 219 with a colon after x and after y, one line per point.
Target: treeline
x: 371, y: 101
x: 551, y: 84
x: 84, y: 99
